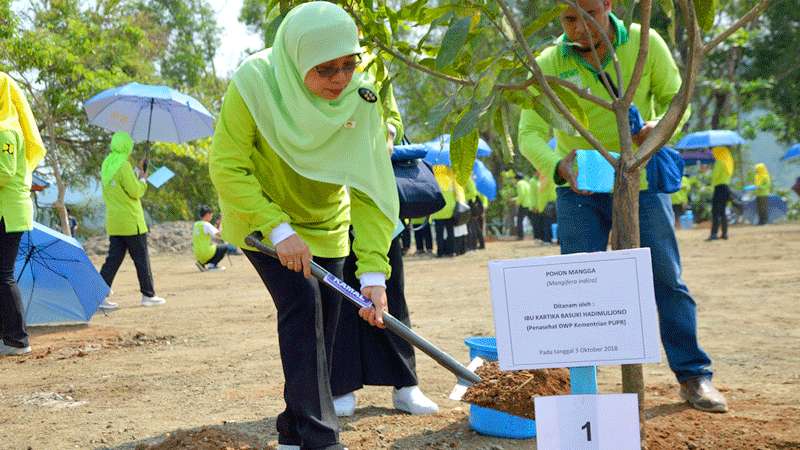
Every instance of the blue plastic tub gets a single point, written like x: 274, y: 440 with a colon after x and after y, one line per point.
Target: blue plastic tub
x: 554, y: 232
x: 595, y: 174
x: 492, y: 422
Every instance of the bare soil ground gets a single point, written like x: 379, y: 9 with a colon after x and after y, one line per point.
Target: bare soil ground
x: 204, y: 368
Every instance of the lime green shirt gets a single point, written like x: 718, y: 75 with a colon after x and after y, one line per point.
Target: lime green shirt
x: 764, y: 188
x: 547, y: 193
x: 720, y: 174
x: 202, y: 243
x: 16, y: 207
x: 682, y: 196
x: 258, y: 191
x: 659, y: 84
x: 124, y: 213
x: 533, y: 194
x: 523, y: 197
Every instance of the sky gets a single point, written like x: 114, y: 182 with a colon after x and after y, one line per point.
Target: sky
x: 235, y: 36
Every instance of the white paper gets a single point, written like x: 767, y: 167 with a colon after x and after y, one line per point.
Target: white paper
x: 575, y: 310
x: 587, y: 422
x: 160, y: 176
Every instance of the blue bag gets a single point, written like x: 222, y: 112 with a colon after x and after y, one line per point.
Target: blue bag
x: 665, y: 168
x: 419, y: 193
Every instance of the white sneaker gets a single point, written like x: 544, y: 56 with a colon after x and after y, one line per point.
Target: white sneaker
x: 411, y: 400
x: 288, y: 447
x: 7, y: 350
x: 152, y: 301
x: 215, y: 268
x: 108, y: 305
x: 345, y: 405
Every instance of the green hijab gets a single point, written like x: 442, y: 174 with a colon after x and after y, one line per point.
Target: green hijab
x: 341, y: 141
x: 121, y: 148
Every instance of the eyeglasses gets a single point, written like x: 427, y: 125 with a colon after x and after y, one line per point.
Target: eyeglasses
x: 347, y: 68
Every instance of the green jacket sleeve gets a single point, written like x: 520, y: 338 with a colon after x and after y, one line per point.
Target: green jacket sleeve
x: 533, y: 135
x: 9, y: 152
x: 665, y: 77
x: 373, y: 231
x: 232, y: 169
x: 133, y: 186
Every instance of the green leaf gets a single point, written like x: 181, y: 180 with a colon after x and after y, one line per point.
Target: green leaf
x: 272, y: 30
x: 706, y: 13
x: 440, y: 111
x: 462, y: 155
x: 454, y: 39
x: 544, y: 19
x: 571, y: 102
x: 501, y: 127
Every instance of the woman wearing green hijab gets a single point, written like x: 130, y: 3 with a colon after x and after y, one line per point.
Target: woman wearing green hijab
x: 296, y: 127
x: 21, y: 150
x: 127, y: 230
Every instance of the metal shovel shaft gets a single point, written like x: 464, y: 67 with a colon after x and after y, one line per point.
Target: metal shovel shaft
x: 392, y: 323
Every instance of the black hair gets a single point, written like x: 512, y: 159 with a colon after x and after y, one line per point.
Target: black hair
x: 203, y: 210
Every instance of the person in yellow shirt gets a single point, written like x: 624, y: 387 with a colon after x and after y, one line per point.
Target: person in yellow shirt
x: 21, y: 150
x: 680, y: 200
x: 763, y: 184
x: 720, y: 179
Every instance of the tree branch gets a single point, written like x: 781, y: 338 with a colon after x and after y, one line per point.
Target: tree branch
x: 644, y: 47
x: 546, y: 89
x: 752, y: 14
x: 667, y: 125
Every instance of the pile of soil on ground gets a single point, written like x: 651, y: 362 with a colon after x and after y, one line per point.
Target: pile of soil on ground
x: 512, y: 392
x: 167, y: 237
x: 206, y: 439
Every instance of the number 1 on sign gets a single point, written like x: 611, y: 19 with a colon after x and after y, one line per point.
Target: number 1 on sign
x: 588, y: 427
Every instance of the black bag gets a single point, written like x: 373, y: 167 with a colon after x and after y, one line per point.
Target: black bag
x: 461, y: 214
x: 419, y: 193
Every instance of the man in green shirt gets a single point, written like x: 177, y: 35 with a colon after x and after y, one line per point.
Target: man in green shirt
x: 584, y: 218
x: 523, y: 200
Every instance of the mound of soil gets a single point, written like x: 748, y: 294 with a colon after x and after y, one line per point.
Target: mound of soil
x: 206, y: 439
x: 513, y: 392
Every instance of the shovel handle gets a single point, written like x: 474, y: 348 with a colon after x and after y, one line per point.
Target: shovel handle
x: 392, y: 323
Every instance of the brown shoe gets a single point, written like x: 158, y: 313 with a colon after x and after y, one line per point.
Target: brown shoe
x: 702, y: 395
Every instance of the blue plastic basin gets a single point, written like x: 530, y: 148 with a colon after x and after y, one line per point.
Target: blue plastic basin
x: 492, y: 422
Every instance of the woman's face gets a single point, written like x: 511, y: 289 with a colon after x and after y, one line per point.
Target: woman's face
x: 328, y: 80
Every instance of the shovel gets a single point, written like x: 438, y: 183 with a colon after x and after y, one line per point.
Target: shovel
x: 465, y: 376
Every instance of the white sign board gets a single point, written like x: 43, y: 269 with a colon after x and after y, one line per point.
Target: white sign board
x: 587, y: 422
x: 575, y: 310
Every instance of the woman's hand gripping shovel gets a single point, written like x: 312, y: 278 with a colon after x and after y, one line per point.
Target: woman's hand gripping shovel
x: 465, y: 376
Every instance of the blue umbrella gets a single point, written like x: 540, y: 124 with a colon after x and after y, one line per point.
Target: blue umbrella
x: 709, y: 138
x: 484, y: 180
x: 439, y: 152
x: 792, y: 154
x: 150, y: 113
x: 58, y: 282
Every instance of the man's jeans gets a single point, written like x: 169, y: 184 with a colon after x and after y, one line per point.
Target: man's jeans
x: 584, y: 223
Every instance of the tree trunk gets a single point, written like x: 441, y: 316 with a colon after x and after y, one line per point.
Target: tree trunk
x: 59, y: 205
x: 624, y: 235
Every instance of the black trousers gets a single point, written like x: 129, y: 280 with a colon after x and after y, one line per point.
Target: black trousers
x: 423, y: 237
x: 307, y: 316
x: 405, y: 237
x: 762, y: 204
x: 722, y: 195
x: 136, y: 246
x: 12, y: 321
x: 364, y: 355
x: 222, y: 250
x: 548, y: 218
x: 522, y: 213
x: 445, y: 237
x: 475, y: 234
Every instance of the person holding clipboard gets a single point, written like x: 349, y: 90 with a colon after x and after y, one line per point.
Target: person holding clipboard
x: 123, y: 189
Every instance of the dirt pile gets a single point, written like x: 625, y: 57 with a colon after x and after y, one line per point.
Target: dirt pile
x: 512, y: 392
x: 207, y: 439
x: 167, y: 237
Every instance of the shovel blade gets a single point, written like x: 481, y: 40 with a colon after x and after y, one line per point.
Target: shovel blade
x: 461, y: 387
